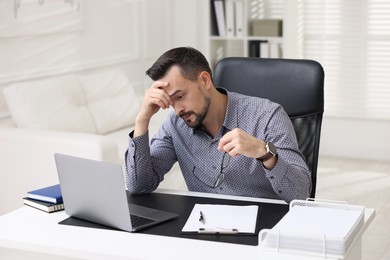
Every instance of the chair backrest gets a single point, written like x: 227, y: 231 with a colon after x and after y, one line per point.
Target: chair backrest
x: 297, y: 85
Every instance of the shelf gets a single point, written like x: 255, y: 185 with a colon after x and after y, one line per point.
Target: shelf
x: 219, y: 38
x: 240, y: 43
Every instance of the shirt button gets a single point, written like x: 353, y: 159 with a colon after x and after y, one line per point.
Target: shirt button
x: 272, y: 177
x: 280, y: 191
x: 214, y: 167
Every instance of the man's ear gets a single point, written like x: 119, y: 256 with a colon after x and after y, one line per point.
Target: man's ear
x: 205, y: 79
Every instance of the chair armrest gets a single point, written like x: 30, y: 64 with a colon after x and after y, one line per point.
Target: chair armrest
x: 27, y: 158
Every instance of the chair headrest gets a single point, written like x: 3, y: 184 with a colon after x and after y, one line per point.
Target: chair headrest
x: 297, y: 85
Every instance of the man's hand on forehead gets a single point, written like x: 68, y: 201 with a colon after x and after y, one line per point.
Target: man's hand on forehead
x: 158, y: 92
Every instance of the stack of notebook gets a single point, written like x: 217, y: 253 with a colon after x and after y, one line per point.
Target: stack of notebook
x: 48, y: 199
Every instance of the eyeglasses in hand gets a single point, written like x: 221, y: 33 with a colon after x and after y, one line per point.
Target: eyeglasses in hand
x: 221, y: 176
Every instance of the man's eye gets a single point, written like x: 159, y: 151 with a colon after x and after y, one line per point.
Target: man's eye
x: 179, y: 97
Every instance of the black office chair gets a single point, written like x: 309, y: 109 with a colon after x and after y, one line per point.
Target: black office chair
x: 297, y: 85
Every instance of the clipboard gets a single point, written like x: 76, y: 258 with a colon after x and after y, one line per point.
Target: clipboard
x: 222, y: 219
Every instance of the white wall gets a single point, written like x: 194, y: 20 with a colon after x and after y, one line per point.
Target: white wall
x: 99, y: 33
x: 356, y: 138
x: 126, y: 33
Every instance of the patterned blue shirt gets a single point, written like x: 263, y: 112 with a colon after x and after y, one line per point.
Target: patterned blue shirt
x: 201, y: 162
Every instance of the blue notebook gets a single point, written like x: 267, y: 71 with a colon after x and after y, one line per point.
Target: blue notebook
x: 49, y: 194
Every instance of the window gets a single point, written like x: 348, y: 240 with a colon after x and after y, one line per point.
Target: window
x: 351, y: 39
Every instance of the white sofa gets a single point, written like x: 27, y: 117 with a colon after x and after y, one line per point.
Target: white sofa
x: 88, y: 115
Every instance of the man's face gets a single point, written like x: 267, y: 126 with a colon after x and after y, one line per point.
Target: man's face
x: 190, y: 99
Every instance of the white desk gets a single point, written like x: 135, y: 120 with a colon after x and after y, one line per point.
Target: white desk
x: 27, y: 233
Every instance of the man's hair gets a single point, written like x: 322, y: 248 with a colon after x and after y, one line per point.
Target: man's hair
x: 190, y: 61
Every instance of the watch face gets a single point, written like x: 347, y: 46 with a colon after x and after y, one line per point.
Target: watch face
x: 271, y: 152
x: 271, y: 148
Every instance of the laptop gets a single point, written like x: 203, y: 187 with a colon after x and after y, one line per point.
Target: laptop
x: 95, y: 191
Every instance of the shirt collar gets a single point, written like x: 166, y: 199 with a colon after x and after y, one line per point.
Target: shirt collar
x: 231, y: 116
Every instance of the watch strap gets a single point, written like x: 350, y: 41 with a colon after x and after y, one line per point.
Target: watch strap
x: 265, y: 157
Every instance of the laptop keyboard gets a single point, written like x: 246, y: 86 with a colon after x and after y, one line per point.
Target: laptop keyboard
x: 137, y: 221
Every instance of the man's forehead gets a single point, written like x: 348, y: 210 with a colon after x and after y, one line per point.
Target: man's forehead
x: 176, y: 81
x: 172, y: 88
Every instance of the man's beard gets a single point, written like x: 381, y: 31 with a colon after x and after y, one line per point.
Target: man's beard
x: 199, y: 117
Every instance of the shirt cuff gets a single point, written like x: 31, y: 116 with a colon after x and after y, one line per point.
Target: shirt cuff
x: 141, y: 142
x: 276, y: 175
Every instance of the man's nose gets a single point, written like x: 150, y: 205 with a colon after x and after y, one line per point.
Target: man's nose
x: 178, y: 109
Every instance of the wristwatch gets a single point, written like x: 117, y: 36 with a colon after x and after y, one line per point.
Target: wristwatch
x: 271, y: 152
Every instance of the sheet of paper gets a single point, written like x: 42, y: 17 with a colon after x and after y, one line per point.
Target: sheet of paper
x: 222, y: 218
x: 336, y: 223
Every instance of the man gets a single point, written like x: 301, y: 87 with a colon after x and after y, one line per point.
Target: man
x: 224, y: 142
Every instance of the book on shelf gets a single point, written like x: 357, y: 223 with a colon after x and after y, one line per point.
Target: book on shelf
x: 255, y: 48
x: 230, y: 23
x: 48, y: 194
x: 239, y: 19
x: 43, y: 205
x: 213, y: 19
x: 219, y: 6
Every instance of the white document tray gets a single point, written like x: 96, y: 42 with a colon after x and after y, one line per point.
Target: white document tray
x: 312, y: 227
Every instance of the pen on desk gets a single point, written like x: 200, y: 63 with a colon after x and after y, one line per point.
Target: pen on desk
x: 201, y: 217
